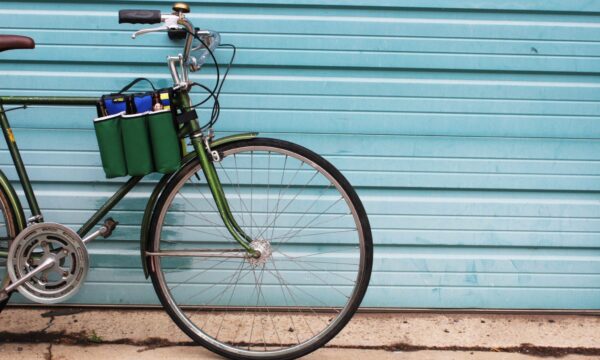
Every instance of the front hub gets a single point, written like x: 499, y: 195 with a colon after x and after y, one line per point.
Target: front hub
x: 263, y: 249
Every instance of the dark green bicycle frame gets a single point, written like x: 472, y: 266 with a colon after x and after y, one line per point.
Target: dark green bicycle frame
x: 192, y: 130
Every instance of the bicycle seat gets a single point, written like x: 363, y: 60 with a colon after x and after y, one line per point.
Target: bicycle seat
x: 10, y: 42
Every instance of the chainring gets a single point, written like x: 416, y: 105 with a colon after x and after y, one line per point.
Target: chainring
x: 36, y: 244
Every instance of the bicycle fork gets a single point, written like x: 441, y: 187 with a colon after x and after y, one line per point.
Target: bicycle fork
x: 216, y: 188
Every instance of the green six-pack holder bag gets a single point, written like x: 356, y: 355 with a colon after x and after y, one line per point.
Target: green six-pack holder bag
x: 137, y: 143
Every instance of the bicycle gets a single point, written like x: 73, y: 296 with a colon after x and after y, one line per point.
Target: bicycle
x: 268, y: 258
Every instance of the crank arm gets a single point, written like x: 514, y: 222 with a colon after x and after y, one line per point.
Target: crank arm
x: 49, y: 262
x: 105, y: 230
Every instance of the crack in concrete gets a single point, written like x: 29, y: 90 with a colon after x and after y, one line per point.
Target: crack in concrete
x: 524, y: 348
x: 50, y: 322
x: 85, y: 339
x: 48, y: 355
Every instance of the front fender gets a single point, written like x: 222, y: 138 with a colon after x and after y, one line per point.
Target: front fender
x: 153, y: 200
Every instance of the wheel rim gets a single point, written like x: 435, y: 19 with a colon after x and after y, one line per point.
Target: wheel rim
x: 307, y: 283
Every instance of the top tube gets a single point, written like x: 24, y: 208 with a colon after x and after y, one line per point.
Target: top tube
x: 48, y: 100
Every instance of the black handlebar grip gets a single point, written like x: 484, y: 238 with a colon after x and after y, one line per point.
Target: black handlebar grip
x: 139, y: 16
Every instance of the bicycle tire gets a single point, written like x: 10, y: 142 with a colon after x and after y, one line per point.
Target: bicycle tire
x: 294, y: 268
x: 8, y: 231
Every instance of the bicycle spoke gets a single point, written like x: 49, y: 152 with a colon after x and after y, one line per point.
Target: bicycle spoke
x: 228, y: 303
x: 219, y: 295
x: 312, y: 264
x: 282, y: 281
x: 321, y: 279
x: 303, y: 291
x: 251, y: 189
x: 311, y: 222
x: 237, y: 176
x: 315, y: 234
x: 194, y: 276
x: 291, y: 201
x: 202, y: 217
x: 280, y: 189
x: 243, y: 204
x: 268, y: 190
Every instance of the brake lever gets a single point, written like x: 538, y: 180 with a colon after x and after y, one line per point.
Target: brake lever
x: 170, y: 24
x: 146, y: 31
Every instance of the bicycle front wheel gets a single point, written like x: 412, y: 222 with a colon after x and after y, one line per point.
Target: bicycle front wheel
x: 313, y: 235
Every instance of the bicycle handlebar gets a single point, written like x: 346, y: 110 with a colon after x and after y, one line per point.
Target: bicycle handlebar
x: 174, y: 21
x: 139, y: 16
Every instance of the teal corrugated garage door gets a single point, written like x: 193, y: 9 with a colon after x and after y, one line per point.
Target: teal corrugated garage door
x: 470, y: 128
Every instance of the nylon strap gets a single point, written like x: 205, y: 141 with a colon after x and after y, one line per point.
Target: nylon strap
x: 186, y: 117
x: 135, y: 81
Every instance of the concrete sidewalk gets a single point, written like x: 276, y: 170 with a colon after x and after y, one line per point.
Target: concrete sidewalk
x: 80, y: 333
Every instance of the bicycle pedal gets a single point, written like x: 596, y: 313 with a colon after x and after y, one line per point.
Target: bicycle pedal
x: 110, y: 225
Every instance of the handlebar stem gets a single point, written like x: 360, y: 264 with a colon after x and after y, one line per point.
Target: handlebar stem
x: 172, y: 60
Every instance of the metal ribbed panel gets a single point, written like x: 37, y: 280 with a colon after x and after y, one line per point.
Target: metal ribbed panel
x: 470, y: 129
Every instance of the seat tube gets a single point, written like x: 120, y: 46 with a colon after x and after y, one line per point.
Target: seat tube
x: 19, y: 166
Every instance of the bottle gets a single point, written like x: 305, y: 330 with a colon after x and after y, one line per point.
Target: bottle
x: 158, y: 106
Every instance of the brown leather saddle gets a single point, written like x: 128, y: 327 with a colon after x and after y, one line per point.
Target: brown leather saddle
x: 9, y: 42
